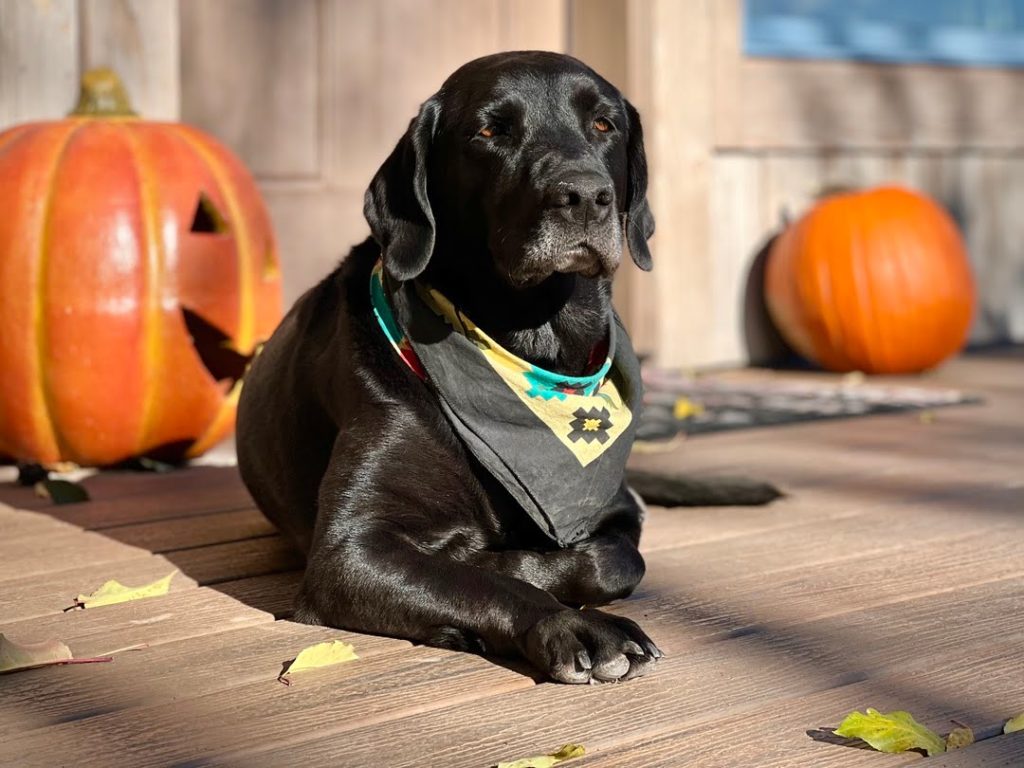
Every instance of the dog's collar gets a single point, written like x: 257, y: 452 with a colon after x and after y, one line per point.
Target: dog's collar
x: 557, y: 444
x: 541, y: 382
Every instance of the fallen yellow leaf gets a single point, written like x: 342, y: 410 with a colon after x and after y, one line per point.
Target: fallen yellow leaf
x: 567, y: 752
x: 959, y: 738
x: 14, y: 656
x: 684, y: 408
x: 115, y: 592
x: 891, y: 732
x: 1014, y: 724
x: 319, y: 655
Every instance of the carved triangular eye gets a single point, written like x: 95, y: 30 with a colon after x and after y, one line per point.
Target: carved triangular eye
x: 207, y: 219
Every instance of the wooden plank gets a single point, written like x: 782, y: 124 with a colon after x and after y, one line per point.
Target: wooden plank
x: 970, y: 687
x: 204, y: 530
x: 795, y: 105
x: 274, y: 593
x: 739, y: 229
x: 43, y: 554
x: 249, y: 77
x: 999, y: 752
x: 113, y: 484
x: 677, y: 104
x: 169, y: 674
x: 186, y: 503
x: 534, y: 25
x: 316, y: 226
x: 237, y: 559
x: 724, y: 678
x: 50, y: 593
x: 21, y: 524
x: 138, y: 39
x: 676, y: 605
x: 988, y: 201
x: 833, y: 540
x: 153, y: 621
x: 38, y: 60
x: 371, y: 690
x: 670, y: 528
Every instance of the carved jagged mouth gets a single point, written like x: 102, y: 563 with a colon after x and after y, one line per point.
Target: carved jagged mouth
x: 215, y: 348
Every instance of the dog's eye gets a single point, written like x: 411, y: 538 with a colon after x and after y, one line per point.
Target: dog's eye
x: 489, y: 131
x: 602, y: 126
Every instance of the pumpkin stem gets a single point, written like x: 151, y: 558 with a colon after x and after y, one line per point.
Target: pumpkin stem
x: 102, y: 94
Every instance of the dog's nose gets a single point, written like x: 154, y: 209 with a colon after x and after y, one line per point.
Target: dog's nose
x: 581, y: 195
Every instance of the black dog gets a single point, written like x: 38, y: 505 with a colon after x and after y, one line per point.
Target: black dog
x: 511, y: 193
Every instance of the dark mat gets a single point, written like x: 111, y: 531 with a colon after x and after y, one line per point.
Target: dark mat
x: 675, y: 403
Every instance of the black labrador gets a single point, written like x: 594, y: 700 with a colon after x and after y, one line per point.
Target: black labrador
x: 512, y: 193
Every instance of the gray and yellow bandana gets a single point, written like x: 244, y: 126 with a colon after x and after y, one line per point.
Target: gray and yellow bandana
x: 557, y: 443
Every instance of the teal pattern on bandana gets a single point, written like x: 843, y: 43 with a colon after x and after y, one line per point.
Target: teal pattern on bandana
x: 557, y: 443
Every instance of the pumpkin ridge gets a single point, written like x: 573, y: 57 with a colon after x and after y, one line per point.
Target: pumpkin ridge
x: 10, y: 137
x: 44, y: 394
x: 245, y: 337
x: 153, y: 247
x: 863, y: 247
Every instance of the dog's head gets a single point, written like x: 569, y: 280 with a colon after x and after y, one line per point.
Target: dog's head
x: 525, y: 164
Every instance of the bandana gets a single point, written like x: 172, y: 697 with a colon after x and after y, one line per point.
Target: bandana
x: 557, y: 443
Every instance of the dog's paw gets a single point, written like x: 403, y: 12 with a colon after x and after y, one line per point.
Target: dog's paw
x: 588, y: 645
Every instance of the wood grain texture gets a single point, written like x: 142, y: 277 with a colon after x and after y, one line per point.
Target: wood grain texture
x: 891, y: 576
x: 139, y: 40
x: 265, y: 713
x: 959, y: 684
x: 201, y: 531
x: 736, y: 676
x: 999, y: 752
x: 158, y: 676
x: 797, y: 105
x: 51, y: 593
x: 153, y: 621
x: 249, y: 78
x: 38, y: 60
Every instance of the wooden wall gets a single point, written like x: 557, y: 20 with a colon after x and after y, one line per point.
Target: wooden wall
x: 313, y: 95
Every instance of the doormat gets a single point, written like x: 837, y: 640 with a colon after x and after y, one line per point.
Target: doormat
x: 676, y: 404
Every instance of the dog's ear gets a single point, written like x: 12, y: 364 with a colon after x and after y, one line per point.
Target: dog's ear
x: 639, y: 220
x: 396, y: 204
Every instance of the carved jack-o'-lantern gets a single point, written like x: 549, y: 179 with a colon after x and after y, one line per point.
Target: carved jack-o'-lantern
x: 138, y: 273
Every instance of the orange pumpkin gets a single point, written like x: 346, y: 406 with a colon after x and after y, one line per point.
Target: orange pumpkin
x: 875, y: 281
x: 138, y: 272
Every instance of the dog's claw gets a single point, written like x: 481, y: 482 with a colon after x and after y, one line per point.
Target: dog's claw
x: 632, y: 648
x: 653, y: 650
x: 583, y: 660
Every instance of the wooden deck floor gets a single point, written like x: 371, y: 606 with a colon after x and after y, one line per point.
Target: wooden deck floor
x: 892, y: 576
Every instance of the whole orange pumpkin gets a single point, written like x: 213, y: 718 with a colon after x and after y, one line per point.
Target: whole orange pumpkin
x: 138, y: 272
x: 875, y: 281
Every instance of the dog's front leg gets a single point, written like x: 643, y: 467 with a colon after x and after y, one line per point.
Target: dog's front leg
x: 595, y: 571
x: 378, y: 582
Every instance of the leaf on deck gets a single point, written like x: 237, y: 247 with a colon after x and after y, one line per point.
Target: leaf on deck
x: 61, y: 491
x: 1014, y: 724
x: 567, y: 752
x: 316, y: 656
x: 891, y: 732
x: 115, y: 592
x: 15, y: 656
x: 959, y: 738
